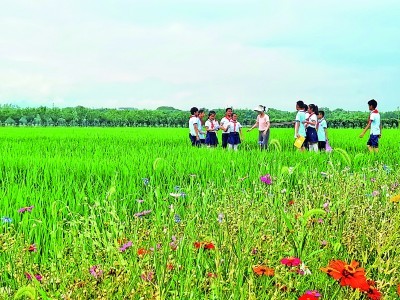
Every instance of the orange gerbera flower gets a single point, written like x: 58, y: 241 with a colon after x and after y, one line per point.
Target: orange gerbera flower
x: 374, y: 294
x: 398, y: 289
x: 347, y: 275
x: 142, y: 251
x: 263, y: 270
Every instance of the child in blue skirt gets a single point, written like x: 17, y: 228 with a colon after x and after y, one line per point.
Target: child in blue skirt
x: 311, y: 125
x: 212, y: 127
x: 235, y: 133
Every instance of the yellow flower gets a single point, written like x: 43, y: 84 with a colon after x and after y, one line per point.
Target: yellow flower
x: 395, y: 198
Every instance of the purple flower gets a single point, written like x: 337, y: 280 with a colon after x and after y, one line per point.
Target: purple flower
x: 375, y: 193
x: 37, y: 276
x: 125, y: 246
x: 324, y: 243
x: 25, y: 209
x: 142, y: 213
x: 96, y: 272
x: 266, y: 179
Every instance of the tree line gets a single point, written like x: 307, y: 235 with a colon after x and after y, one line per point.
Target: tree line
x: 11, y: 115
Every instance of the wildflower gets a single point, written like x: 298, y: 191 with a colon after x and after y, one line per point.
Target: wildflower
x: 142, y: 251
x: 313, y: 293
x: 211, y: 275
x: 308, y: 297
x: 266, y: 179
x: 204, y: 245
x: 386, y: 168
x: 170, y: 267
x: 209, y: 246
x: 177, y: 218
x: 375, y: 193
x: 304, y: 270
x: 398, y: 289
x: 197, y: 245
x: 283, y: 191
x: 25, y: 209
x: 32, y: 248
x: 6, y: 220
x: 37, y: 276
x: 149, y: 276
x: 347, y: 275
x: 395, y: 199
x: 373, y: 180
x: 291, y: 261
x: 291, y: 202
x: 324, y: 243
x: 142, y: 213
x: 326, y: 206
x: 125, y: 246
x: 145, y: 181
x: 177, y: 195
x: 320, y: 221
x: 139, y: 200
x: 254, y: 251
x: 220, y: 217
x: 263, y: 270
x: 96, y: 272
x: 374, y: 294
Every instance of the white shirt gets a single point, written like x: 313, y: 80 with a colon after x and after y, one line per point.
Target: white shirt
x: 212, y: 125
x: 312, y: 118
x: 224, y: 122
x: 193, y: 120
x: 233, y: 127
x: 375, y: 117
x: 322, y: 125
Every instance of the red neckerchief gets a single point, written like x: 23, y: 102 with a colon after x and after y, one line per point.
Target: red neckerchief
x: 319, y: 122
x: 309, y: 116
x: 212, y: 124
x: 234, y: 125
x: 375, y: 111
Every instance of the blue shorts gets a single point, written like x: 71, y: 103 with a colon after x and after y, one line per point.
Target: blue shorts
x: 373, y: 141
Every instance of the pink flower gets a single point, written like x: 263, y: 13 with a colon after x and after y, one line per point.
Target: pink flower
x: 25, y: 209
x: 37, y: 276
x: 96, y: 271
x: 291, y: 261
x: 125, y: 246
x: 149, y: 276
x: 266, y: 179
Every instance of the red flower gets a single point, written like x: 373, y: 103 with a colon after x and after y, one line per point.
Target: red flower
x: 374, y: 294
x: 209, y: 246
x: 308, y: 297
x: 291, y: 261
x: 142, y: 251
x: 398, y: 289
x: 291, y: 202
x: 347, y: 275
x: 32, y: 248
x: 197, y: 245
x: 263, y: 270
x: 211, y: 275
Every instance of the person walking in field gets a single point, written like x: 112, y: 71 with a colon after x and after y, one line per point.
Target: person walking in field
x: 224, y: 124
x: 311, y: 125
x: 322, y: 131
x: 299, y: 128
x: 212, y: 127
x: 194, y: 127
x: 374, y: 122
x: 234, y: 130
x: 263, y: 125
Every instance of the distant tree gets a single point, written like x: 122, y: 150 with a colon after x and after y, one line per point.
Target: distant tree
x: 9, y: 121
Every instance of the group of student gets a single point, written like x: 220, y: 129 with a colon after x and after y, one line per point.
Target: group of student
x: 205, y: 133
x: 310, y: 127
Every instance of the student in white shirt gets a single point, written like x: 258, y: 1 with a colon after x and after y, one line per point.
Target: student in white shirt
x: 212, y: 127
x: 193, y: 127
x: 223, y: 126
x: 263, y: 125
x: 374, y: 121
x: 234, y: 130
x: 311, y: 125
x: 322, y: 131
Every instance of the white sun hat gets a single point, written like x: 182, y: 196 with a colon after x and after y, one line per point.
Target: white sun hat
x: 261, y: 108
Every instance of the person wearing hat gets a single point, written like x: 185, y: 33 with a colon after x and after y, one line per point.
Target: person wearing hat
x: 263, y: 125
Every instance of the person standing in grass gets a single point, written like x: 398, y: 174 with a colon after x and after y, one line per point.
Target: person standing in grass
x: 194, y: 127
x: 374, y: 122
x: 223, y: 126
x: 299, y: 128
x: 311, y: 125
x: 234, y: 130
x: 263, y: 125
x: 322, y: 131
x: 202, y: 135
x: 212, y: 127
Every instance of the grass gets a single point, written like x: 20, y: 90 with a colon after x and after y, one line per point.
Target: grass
x: 87, y: 184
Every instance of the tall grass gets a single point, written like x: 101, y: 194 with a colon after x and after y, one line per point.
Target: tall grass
x: 87, y: 184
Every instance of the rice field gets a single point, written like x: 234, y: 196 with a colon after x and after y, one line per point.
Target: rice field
x: 137, y: 213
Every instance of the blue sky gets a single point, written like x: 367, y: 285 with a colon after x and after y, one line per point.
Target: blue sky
x: 212, y: 54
